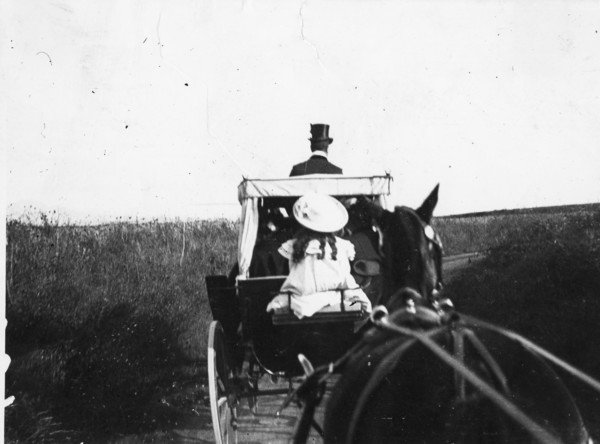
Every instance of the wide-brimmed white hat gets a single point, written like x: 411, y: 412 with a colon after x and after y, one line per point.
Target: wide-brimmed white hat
x: 320, y: 212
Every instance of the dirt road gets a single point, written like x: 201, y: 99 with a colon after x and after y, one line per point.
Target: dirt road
x: 260, y: 427
x: 454, y: 264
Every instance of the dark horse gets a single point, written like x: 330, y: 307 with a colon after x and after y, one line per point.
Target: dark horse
x: 427, y: 374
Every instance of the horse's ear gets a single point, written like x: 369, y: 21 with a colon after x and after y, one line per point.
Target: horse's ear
x: 425, y: 211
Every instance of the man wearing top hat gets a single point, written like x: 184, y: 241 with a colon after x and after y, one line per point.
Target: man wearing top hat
x: 317, y: 162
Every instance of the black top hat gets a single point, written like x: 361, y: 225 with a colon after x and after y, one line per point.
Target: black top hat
x: 319, y: 132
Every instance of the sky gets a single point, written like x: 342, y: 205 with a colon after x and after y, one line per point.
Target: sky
x: 156, y: 109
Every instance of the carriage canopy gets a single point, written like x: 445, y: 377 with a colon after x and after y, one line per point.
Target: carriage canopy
x: 252, y: 191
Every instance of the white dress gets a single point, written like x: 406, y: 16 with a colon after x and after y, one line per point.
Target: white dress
x: 312, y: 281
x: 313, y: 275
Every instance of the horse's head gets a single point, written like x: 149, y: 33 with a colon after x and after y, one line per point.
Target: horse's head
x: 411, y: 251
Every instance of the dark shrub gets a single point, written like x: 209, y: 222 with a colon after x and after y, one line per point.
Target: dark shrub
x: 543, y: 282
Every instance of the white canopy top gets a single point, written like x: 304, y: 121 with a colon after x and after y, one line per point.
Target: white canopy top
x: 332, y: 184
x: 250, y: 191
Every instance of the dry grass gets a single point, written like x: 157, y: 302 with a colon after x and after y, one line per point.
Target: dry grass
x: 103, y: 321
x: 482, y: 231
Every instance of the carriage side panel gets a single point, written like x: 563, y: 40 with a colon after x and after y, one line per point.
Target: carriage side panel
x: 224, y: 305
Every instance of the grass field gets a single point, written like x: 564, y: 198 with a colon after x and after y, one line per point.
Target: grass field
x: 482, y: 231
x: 107, y: 323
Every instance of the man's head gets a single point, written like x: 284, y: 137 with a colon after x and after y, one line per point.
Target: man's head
x: 320, y: 139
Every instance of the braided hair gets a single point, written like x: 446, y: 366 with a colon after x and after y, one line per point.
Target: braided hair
x: 304, y: 236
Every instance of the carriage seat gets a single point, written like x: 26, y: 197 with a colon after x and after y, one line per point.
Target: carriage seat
x: 319, y: 307
x: 259, y: 292
x: 346, y: 312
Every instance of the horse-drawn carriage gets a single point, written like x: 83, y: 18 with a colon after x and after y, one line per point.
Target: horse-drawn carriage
x: 422, y: 373
x: 245, y: 341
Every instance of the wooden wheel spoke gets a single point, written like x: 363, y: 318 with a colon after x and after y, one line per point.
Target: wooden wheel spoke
x: 218, y: 372
x: 221, y: 386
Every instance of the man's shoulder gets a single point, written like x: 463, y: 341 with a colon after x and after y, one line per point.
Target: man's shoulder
x: 336, y: 169
x: 299, y: 169
x: 331, y: 168
x: 300, y: 164
x: 315, y: 165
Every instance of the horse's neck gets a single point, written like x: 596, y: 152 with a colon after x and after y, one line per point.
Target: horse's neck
x: 404, y: 273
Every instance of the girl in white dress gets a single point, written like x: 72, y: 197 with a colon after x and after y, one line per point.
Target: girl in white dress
x: 319, y: 261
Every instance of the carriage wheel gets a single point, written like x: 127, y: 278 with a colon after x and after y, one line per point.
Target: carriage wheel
x: 221, y: 410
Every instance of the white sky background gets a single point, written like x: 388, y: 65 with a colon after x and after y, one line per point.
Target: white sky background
x: 498, y: 101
